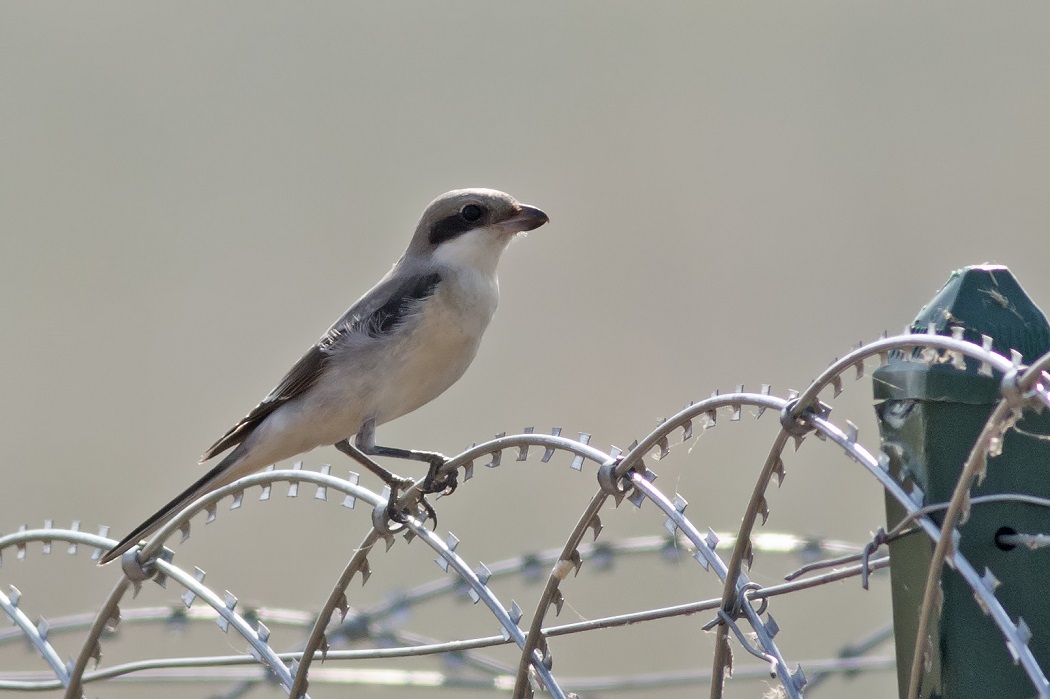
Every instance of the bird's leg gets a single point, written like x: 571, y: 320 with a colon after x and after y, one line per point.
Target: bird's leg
x: 365, y: 446
x: 394, y: 481
x: 431, y: 482
x: 366, y: 442
x: 360, y: 456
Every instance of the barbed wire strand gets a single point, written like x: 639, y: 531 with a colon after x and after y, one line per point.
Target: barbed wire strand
x: 620, y: 477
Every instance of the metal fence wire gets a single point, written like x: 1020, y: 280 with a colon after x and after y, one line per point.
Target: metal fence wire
x: 740, y: 617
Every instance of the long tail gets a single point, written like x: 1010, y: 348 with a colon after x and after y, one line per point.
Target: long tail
x: 215, y: 478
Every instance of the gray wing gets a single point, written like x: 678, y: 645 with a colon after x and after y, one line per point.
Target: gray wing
x: 376, y: 314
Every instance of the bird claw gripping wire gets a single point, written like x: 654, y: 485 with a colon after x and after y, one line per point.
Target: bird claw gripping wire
x: 437, y: 482
x: 393, y: 511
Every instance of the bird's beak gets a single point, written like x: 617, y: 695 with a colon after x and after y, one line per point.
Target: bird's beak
x: 528, y: 218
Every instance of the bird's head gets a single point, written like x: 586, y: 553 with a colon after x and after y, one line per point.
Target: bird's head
x: 472, y: 227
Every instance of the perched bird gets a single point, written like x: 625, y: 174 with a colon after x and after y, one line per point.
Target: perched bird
x: 398, y: 347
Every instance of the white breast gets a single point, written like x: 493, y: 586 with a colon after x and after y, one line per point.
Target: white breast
x: 440, y: 345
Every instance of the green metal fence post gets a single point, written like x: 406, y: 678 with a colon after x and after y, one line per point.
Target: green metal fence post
x: 929, y: 417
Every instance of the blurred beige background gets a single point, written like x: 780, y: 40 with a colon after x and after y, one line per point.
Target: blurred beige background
x: 191, y: 192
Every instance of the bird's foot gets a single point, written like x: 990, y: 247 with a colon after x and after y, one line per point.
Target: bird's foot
x: 436, y: 482
x: 444, y: 484
x: 395, y: 513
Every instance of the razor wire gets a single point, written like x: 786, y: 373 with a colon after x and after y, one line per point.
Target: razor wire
x: 740, y: 617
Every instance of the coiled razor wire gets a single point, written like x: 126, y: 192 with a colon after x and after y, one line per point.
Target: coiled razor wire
x: 739, y: 616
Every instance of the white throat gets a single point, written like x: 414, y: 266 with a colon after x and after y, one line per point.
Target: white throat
x: 478, y: 250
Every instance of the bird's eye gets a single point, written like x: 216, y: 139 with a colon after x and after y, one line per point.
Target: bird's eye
x: 471, y: 212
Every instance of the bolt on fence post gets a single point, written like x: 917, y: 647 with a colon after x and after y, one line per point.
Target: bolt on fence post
x: 929, y: 418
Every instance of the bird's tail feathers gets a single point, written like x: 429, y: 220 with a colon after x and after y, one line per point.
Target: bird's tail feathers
x: 215, y: 478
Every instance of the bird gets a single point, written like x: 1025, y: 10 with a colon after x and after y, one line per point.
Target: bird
x: 398, y: 347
